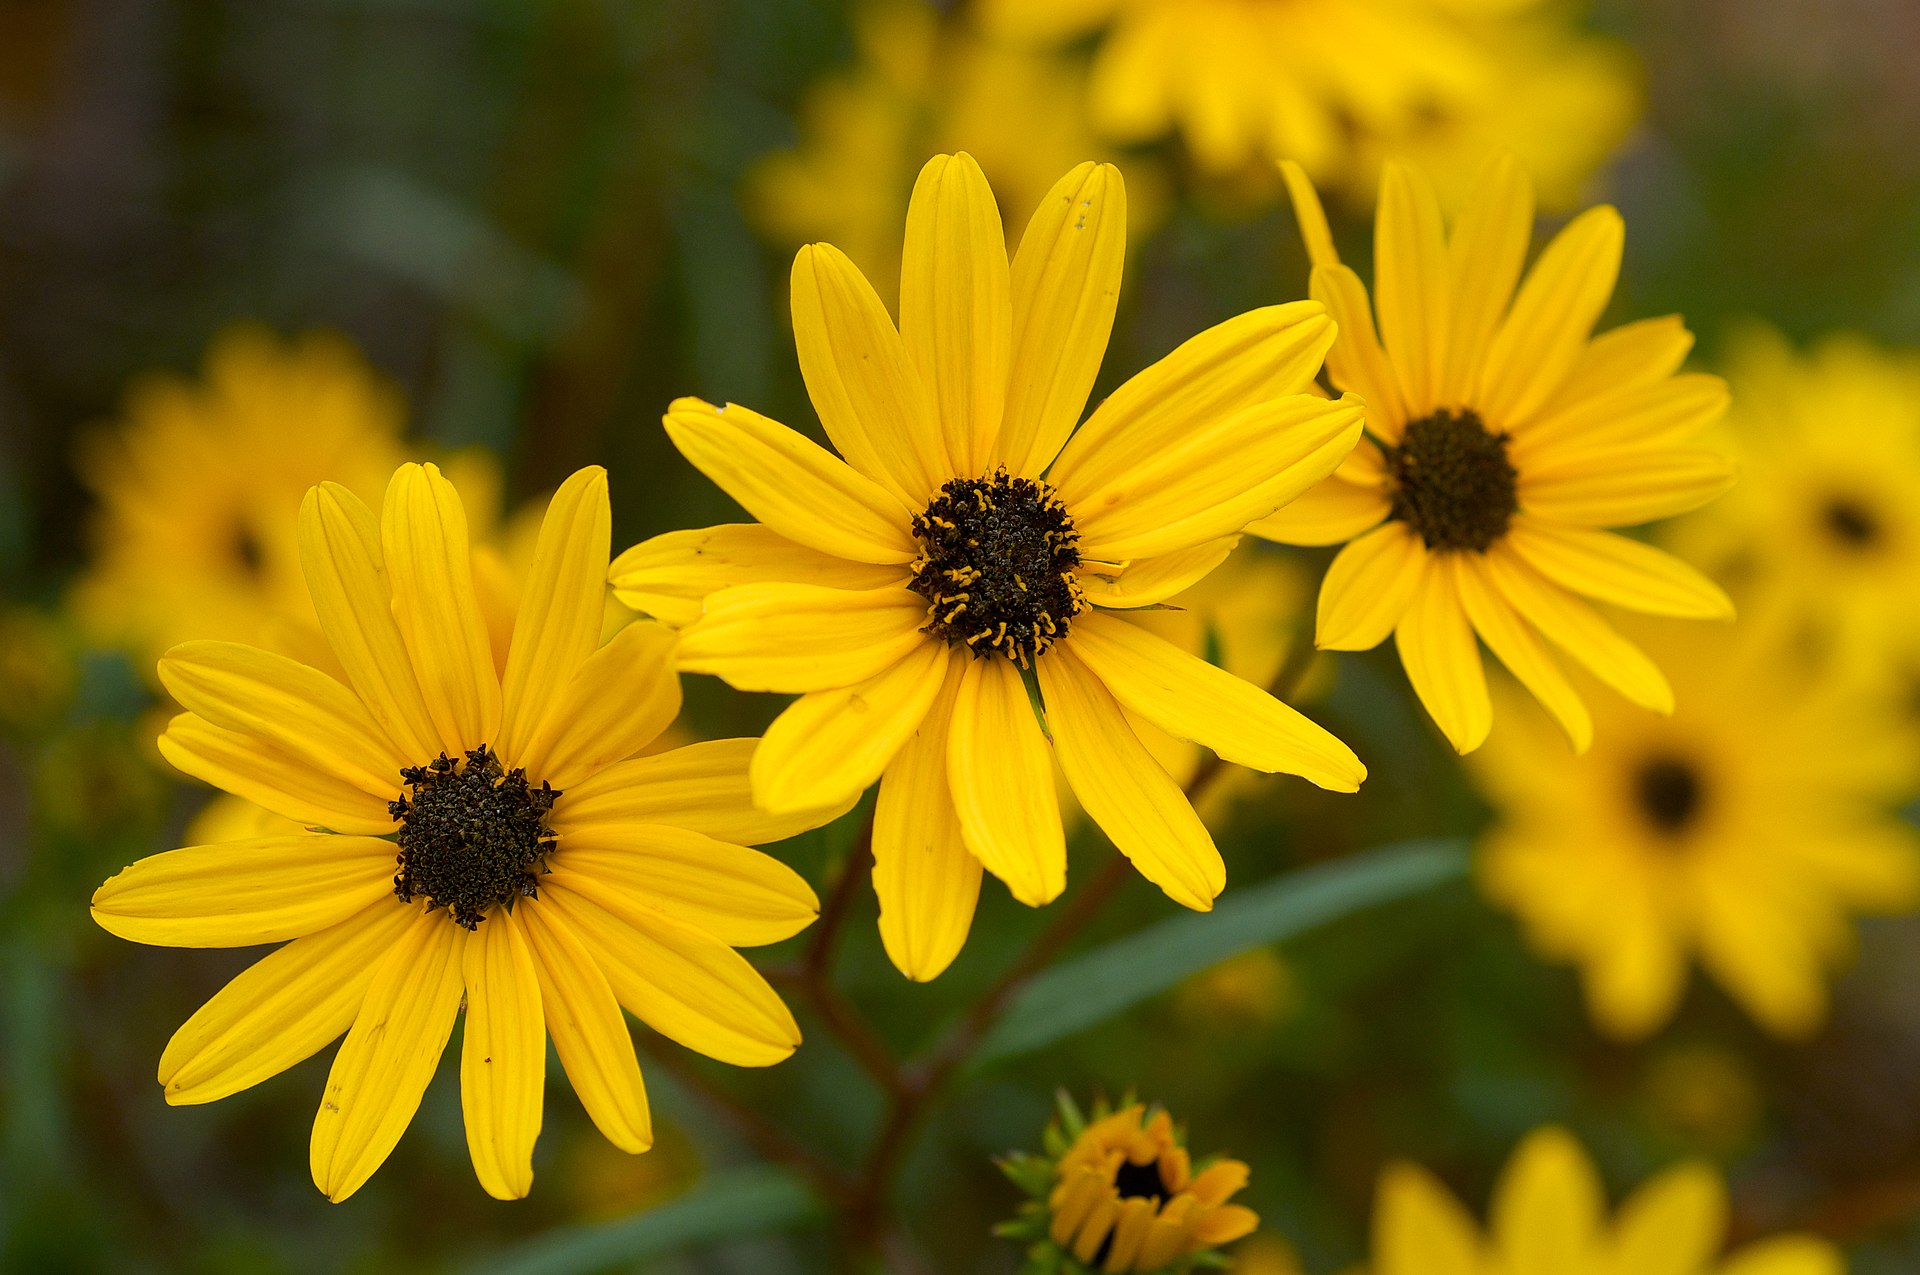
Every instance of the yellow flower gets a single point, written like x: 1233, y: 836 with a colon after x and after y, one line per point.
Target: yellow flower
x: 1505, y: 438
x: 1549, y: 1217
x: 1745, y: 828
x: 544, y: 877
x: 1125, y: 1197
x: 1826, y: 521
x: 1334, y: 84
x: 194, y: 534
x: 973, y: 538
x: 922, y: 84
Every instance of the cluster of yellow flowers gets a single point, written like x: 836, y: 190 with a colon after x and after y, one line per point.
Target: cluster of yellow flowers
x: 445, y: 744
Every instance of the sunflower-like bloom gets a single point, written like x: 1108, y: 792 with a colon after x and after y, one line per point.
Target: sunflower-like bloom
x: 1119, y: 1194
x: 1334, y: 83
x: 1504, y: 439
x: 972, y: 539
x: 1549, y: 1214
x: 1745, y: 828
x: 546, y: 875
x: 1825, y: 522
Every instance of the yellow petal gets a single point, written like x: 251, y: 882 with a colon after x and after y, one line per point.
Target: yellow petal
x: 1420, y: 1229
x: 685, y: 984
x: 927, y: 881
x: 1674, y: 1224
x: 1663, y: 413
x: 1626, y: 357
x: 956, y: 307
x: 1129, y: 1233
x: 589, y: 1032
x: 868, y: 394
x: 340, y: 556
x: 1001, y: 776
x: 1357, y: 361
x: 1636, y: 970
x: 1331, y: 512
x: 1154, y: 580
x: 1545, y: 333
x: 1787, y: 1255
x: 1485, y: 254
x: 617, y: 703
x: 1123, y: 788
x: 742, y: 897
x: 280, y: 1010
x: 503, y: 1056
x: 801, y: 637
x: 1413, y: 285
x: 1066, y: 285
x: 1226, y: 1224
x: 670, y: 576
x: 1577, y: 629
x: 385, y: 1062
x: 1193, y: 700
x: 792, y: 484
x: 703, y: 788
x: 1764, y: 957
x: 1213, y: 481
x: 423, y: 530
x: 1311, y: 216
x: 298, y: 710
x: 1443, y: 662
x: 1618, y: 570
x: 563, y: 605
x: 1263, y: 354
x: 828, y: 747
x: 1624, y: 488
x: 1369, y: 587
x: 1510, y: 638
x: 248, y: 767
x: 241, y: 893
x: 1547, y: 1206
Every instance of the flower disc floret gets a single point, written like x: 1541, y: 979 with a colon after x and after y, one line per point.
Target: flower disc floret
x: 1453, y: 482
x: 471, y: 835
x: 996, y: 566
x: 1670, y: 793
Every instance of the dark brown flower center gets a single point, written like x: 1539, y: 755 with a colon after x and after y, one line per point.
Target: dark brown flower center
x: 996, y: 566
x: 471, y: 835
x: 1670, y: 794
x: 1141, y: 1181
x: 1851, y: 524
x: 1452, y: 481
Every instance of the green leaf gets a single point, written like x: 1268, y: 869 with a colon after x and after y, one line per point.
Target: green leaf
x: 743, y: 1203
x: 1088, y: 989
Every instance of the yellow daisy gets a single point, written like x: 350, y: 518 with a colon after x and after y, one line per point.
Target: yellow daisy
x: 1505, y: 438
x: 1549, y: 1217
x: 546, y: 877
x: 1745, y: 828
x: 197, y: 491
x: 1826, y: 519
x: 975, y: 553
x: 1331, y: 83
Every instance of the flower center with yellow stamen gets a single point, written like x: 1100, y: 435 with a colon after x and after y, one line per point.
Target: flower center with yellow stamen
x: 1670, y: 794
x: 470, y: 835
x: 1452, y: 481
x: 996, y: 566
x: 1851, y: 524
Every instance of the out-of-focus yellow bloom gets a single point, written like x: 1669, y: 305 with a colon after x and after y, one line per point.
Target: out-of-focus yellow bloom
x: 1337, y: 84
x: 1549, y: 1217
x: 198, y: 489
x: 1745, y: 828
x: 1254, y: 989
x: 924, y: 84
x: 1266, y: 1255
x: 1826, y: 519
x: 37, y: 669
x: 1705, y: 1096
x: 1505, y: 438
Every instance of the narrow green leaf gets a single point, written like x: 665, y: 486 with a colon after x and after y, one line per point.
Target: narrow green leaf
x: 740, y: 1204
x: 1088, y: 989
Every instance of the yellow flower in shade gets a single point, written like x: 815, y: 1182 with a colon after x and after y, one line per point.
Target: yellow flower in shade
x: 1549, y: 1217
x: 922, y: 83
x: 1504, y: 439
x: 1745, y: 828
x: 546, y: 876
x: 197, y: 491
x: 973, y: 539
x: 1334, y: 84
x: 1826, y: 520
